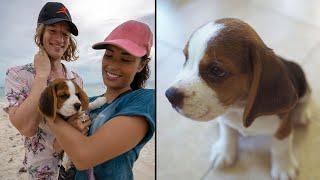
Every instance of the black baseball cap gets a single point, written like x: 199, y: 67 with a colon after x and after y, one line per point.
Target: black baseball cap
x: 53, y: 12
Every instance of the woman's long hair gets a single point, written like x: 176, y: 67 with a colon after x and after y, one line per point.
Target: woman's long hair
x: 141, y: 77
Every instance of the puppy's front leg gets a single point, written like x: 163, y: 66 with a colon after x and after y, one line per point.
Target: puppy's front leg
x: 224, y: 151
x: 100, y: 101
x: 284, y: 163
x: 66, y: 162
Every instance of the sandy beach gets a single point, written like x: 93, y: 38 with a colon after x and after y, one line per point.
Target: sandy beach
x: 12, y: 151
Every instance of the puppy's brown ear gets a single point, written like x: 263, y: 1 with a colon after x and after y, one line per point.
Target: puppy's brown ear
x: 48, y: 103
x: 82, y: 97
x: 271, y: 90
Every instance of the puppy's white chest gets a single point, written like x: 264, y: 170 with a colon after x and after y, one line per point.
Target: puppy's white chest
x: 263, y: 125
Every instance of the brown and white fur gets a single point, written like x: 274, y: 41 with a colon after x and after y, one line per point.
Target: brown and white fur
x: 97, y: 103
x: 64, y: 98
x: 231, y: 74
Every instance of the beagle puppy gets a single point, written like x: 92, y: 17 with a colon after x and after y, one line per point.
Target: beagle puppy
x: 65, y: 99
x: 231, y: 75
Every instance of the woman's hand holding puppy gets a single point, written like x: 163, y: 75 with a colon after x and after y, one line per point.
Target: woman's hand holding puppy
x: 80, y: 121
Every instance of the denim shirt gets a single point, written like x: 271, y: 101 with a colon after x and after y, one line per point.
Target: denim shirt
x: 140, y: 102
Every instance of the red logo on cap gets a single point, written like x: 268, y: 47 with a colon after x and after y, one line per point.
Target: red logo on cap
x: 63, y: 10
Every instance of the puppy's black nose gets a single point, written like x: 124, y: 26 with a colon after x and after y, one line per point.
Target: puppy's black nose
x: 77, y: 106
x: 175, y: 97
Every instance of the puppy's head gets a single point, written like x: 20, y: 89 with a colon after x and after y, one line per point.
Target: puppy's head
x: 227, y: 64
x: 62, y: 97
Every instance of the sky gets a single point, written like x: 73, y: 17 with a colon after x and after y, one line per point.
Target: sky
x: 95, y: 19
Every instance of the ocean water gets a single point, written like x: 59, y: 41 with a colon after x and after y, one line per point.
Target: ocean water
x: 94, y: 89
x: 98, y: 89
x: 91, y: 89
x: 1, y: 94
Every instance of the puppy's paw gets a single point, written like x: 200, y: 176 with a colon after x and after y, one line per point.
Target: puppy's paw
x: 100, y: 101
x: 222, y: 155
x: 66, y: 162
x: 282, y: 170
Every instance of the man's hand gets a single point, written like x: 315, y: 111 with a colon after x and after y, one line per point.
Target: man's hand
x: 41, y: 63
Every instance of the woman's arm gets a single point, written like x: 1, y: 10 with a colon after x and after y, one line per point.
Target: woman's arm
x: 26, y: 117
x: 114, y: 138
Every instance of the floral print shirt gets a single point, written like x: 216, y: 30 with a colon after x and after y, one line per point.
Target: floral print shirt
x: 40, y: 159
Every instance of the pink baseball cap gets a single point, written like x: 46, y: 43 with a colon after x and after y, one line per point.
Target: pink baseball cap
x: 133, y: 36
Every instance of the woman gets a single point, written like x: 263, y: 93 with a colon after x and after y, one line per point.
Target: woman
x: 122, y: 126
x: 24, y: 84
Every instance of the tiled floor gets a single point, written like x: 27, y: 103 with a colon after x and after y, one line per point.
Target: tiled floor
x: 291, y: 28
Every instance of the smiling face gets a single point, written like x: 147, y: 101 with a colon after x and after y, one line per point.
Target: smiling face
x: 119, y: 68
x: 56, y: 39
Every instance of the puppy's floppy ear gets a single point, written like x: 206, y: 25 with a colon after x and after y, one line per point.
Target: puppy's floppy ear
x: 48, y: 103
x: 271, y: 90
x: 82, y: 96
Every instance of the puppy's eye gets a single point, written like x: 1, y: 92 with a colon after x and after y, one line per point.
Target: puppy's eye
x: 78, y: 95
x: 217, y: 72
x: 64, y: 96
